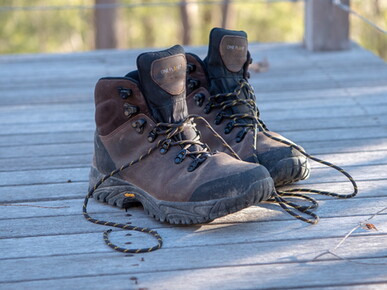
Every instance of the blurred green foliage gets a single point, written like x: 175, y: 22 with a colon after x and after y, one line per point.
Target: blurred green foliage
x: 71, y: 29
x: 366, y: 35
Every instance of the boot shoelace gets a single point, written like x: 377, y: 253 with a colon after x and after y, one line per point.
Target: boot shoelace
x: 228, y: 100
x: 246, y: 120
x: 172, y: 131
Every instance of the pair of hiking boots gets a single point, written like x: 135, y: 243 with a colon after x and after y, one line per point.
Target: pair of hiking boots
x: 188, y: 169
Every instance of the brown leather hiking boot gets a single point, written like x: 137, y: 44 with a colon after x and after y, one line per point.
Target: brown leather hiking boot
x: 218, y: 90
x: 142, y: 119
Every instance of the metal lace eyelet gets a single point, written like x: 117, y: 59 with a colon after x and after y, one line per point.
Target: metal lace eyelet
x: 152, y: 136
x: 196, y: 162
x: 180, y: 156
x: 124, y: 93
x: 229, y: 127
x: 191, y: 68
x: 207, y: 108
x: 193, y: 84
x: 139, y: 125
x: 219, y: 118
x: 130, y: 110
x: 241, y: 134
x: 165, y: 146
x: 199, y: 99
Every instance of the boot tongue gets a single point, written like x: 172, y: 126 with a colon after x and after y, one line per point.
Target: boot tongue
x: 226, y: 63
x: 162, y: 77
x: 227, y: 55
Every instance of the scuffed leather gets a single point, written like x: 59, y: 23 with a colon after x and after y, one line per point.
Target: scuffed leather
x: 158, y: 174
x: 109, y: 106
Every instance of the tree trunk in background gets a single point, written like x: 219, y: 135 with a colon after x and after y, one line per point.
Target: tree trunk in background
x: 326, y: 26
x: 186, y: 32
x: 149, y: 22
x: 105, y: 25
x: 228, y: 15
x: 377, y: 9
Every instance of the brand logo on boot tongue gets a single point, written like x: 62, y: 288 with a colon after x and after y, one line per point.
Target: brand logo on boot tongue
x: 235, y: 47
x: 233, y: 50
x: 171, y: 69
x: 169, y: 73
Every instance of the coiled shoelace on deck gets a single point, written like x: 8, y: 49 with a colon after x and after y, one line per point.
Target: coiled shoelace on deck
x: 173, y: 138
x: 251, y: 121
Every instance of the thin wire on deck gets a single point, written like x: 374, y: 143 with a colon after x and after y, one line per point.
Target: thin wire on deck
x: 352, y: 260
x: 348, y: 9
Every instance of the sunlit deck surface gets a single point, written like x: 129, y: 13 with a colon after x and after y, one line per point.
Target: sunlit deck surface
x: 333, y: 104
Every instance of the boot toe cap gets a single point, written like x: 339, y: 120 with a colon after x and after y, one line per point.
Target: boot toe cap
x: 286, y: 165
x: 256, y: 180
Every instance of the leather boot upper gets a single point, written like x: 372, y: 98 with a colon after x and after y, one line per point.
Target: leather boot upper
x: 222, y: 78
x: 129, y: 111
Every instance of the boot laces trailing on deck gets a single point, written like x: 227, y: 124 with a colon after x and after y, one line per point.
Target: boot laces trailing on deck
x: 189, y: 148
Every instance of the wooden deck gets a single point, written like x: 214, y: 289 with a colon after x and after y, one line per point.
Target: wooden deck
x: 333, y: 104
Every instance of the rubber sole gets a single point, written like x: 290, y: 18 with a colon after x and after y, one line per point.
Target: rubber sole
x: 120, y: 193
x: 290, y: 170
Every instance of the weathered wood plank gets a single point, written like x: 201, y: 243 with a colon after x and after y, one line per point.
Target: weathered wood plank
x: 46, y: 162
x: 58, y: 191
x: 332, y: 94
x: 67, y: 159
x: 245, y: 254
x: 359, y: 173
x: 264, y: 211
x: 335, y: 134
x: 229, y: 277
x: 312, y: 101
x: 279, y: 121
x: 342, y: 146
x: 360, y: 286
x: 44, y: 176
x: 70, y: 94
x: 51, y: 138
x: 41, y: 176
x: 37, y: 151
x: 85, y: 110
x: 321, y: 79
x: 369, y: 188
x: 261, y: 221
x: 77, y: 232
x: 85, y: 79
x: 83, y: 91
x: 297, y: 136
x: 355, y: 159
x: 278, y: 100
x: 237, y: 277
x: 81, y: 151
x: 58, y: 113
